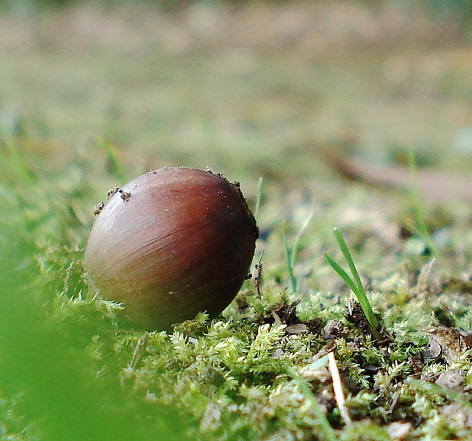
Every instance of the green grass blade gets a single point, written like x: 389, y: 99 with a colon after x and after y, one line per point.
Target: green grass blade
x: 291, y: 255
x: 17, y: 163
x: 288, y: 259
x: 259, y: 198
x: 421, y: 229
x: 347, y: 255
x: 296, y: 244
x: 354, y: 282
x: 437, y: 391
x: 257, y: 210
x: 343, y: 274
x: 113, y: 162
x: 328, y: 432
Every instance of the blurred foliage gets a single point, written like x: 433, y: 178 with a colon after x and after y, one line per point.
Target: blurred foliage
x: 55, y: 385
x: 461, y: 9
x: 170, y: 5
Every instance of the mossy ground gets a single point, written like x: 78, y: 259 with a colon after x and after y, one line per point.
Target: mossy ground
x: 96, y: 98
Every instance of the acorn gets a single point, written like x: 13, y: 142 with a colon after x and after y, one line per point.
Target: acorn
x: 171, y: 243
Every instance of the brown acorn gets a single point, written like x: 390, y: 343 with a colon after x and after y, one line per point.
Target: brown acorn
x: 171, y: 243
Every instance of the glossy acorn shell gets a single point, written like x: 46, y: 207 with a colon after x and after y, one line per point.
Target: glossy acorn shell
x: 171, y: 243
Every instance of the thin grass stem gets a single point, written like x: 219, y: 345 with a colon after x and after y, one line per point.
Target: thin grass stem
x: 112, y: 158
x: 288, y: 260
x: 292, y: 254
x: 18, y: 165
x: 296, y: 243
x: 328, y: 432
x: 421, y: 228
x: 257, y: 208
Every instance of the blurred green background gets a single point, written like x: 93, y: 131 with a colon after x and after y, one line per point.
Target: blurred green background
x: 461, y: 8
x: 214, y: 84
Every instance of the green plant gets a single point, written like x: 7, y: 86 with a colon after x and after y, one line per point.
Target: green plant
x: 353, y: 281
x: 257, y: 208
x: 113, y: 161
x: 292, y: 254
x: 420, y: 228
x: 18, y: 166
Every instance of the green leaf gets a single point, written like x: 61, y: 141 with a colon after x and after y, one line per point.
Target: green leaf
x: 343, y: 274
x: 347, y: 255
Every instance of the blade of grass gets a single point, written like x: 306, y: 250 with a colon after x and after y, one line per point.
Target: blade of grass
x: 288, y: 259
x: 291, y: 255
x: 256, y: 217
x: 17, y: 163
x: 421, y: 228
x: 328, y: 432
x: 299, y: 235
x: 361, y: 294
x: 343, y: 274
x: 112, y: 158
x: 347, y: 255
x: 259, y: 198
x: 437, y: 391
